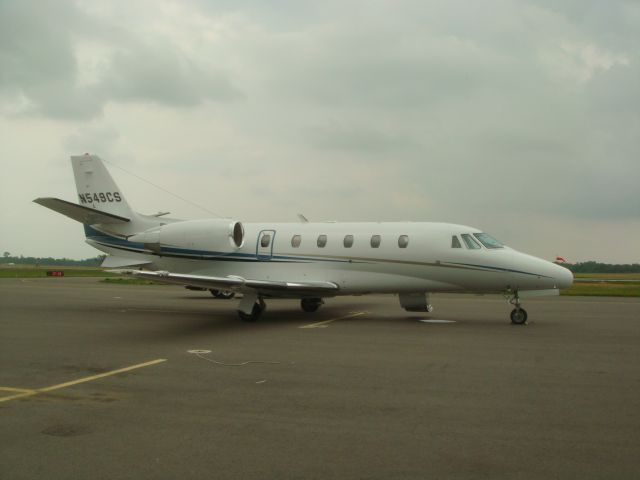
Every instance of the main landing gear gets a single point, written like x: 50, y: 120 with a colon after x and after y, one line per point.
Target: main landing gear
x: 223, y: 294
x: 252, y: 306
x: 256, y: 310
x: 311, y: 305
x: 518, y: 314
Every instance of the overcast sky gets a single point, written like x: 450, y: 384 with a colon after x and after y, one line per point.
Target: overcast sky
x: 521, y: 118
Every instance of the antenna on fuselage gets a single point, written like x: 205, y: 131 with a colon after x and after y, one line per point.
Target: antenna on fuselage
x: 302, y: 218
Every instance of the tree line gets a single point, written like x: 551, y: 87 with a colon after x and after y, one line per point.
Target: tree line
x: 597, y: 267
x: 7, y: 258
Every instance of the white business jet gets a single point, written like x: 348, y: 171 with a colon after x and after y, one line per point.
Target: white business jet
x: 308, y: 261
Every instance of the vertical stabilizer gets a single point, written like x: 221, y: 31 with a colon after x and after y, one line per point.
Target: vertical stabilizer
x: 96, y: 188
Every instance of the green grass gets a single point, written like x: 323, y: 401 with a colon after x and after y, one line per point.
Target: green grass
x: 130, y: 281
x: 608, y: 276
x: 610, y: 286
x: 27, y: 271
x: 603, y: 289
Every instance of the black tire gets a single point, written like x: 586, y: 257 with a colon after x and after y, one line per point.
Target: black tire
x: 256, y: 311
x: 247, y: 317
x: 519, y: 316
x: 310, y: 305
x: 223, y: 294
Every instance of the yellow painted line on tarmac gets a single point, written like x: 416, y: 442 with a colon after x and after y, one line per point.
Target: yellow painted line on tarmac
x: 29, y: 393
x: 19, y: 390
x: 19, y: 395
x: 326, y: 323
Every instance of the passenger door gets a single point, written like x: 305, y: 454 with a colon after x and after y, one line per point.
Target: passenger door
x: 264, y: 246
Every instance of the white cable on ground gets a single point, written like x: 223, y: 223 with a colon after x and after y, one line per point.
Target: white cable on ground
x: 201, y: 354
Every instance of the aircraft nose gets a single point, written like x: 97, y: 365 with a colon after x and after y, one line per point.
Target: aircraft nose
x: 563, y: 276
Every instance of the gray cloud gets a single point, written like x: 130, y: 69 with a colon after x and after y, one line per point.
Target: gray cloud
x: 40, y: 61
x: 525, y: 104
x: 359, y: 139
x: 36, y: 58
x: 163, y: 74
x: 501, y: 113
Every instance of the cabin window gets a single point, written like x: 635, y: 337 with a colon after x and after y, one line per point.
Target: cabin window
x: 455, y: 242
x: 295, y: 241
x: 470, y: 242
x: 488, y: 241
x: 403, y: 241
x: 348, y: 241
x: 265, y: 240
x: 322, y: 241
x: 375, y: 241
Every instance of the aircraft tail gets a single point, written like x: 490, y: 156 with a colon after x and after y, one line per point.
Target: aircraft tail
x: 96, y: 188
x: 108, y: 219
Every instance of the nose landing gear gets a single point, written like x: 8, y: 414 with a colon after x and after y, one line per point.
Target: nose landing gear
x: 518, y: 314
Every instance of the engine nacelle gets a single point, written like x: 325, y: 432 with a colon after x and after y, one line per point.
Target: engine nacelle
x: 217, y: 235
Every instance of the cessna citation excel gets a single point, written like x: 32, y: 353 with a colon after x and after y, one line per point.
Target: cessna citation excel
x: 307, y: 261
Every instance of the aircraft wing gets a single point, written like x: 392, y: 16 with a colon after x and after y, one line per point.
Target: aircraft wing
x: 267, y: 287
x: 80, y: 213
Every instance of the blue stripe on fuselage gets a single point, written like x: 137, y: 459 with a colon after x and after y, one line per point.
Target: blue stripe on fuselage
x: 112, y: 241
x: 499, y: 269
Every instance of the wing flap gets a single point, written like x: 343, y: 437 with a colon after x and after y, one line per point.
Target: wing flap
x: 238, y: 283
x: 80, y: 213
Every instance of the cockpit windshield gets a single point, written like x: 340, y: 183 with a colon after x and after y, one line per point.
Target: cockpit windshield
x: 470, y: 242
x: 488, y: 241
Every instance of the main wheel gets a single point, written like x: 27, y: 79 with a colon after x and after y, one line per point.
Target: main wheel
x: 226, y: 294
x: 518, y: 316
x: 310, y: 305
x: 223, y: 294
x: 256, y: 311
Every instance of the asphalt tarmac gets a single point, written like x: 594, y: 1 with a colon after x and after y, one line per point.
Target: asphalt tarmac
x: 97, y: 381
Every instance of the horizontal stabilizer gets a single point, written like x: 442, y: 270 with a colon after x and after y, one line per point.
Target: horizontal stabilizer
x: 118, y: 262
x: 80, y: 213
x: 239, y: 283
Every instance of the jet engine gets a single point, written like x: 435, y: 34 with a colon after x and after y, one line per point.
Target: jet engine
x: 211, y: 235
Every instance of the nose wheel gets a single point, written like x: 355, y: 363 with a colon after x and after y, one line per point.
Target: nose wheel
x: 518, y: 315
